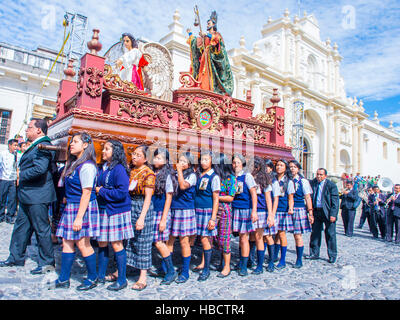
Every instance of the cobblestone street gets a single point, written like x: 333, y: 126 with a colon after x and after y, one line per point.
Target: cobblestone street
x: 365, y: 269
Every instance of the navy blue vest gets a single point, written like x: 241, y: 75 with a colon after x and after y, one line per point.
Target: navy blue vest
x: 158, y: 202
x: 73, y: 187
x: 299, y: 195
x: 184, y: 199
x: 242, y: 200
x: 261, y: 201
x: 283, y: 204
x: 204, y: 198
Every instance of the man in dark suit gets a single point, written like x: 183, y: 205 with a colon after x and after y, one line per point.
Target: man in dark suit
x: 393, y: 215
x: 369, y: 214
x: 347, y: 205
x: 377, y: 203
x: 326, y: 208
x: 35, y: 193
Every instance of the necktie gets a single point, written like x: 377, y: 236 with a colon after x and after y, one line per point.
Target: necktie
x: 316, y: 195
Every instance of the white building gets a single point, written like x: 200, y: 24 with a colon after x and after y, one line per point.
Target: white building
x: 289, y: 56
x: 22, y: 74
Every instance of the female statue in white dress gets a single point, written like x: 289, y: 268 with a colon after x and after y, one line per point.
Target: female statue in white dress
x: 131, y: 63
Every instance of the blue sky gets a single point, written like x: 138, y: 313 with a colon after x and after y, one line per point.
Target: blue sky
x: 369, y: 42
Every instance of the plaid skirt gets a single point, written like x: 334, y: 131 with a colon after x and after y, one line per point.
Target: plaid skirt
x: 224, y: 227
x: 301, y: 224
x: 138, y: 250
x: 283, y: 221
x: 242, y: 221
x: 90, y: 222
x: 183, y: 222
x: 161, y: 236
x: 261, y: 223
x: 116, y: 227
x: 203, y: 216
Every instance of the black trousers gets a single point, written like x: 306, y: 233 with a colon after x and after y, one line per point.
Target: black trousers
x: 390, y: 225
x: 320, y: 221
x: 363, y: 217
x: 348, y: 221
x: 371, y: 217
x: 8, y: 196
x: 32, y: 218
x: 397, y: 229
x: 381, y: 221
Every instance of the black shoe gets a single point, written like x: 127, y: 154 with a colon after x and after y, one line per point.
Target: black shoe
x: 43, y: 270
x: 9, y: 263
x: 197, y: 270
x: 271, y: 268
x: 204, y: 275
x: 58, y: 284
x: 87, y: 286
x: 312, y: 257
x: 156, y: 273
x: 359, y: 227
x: 116, y: 286
x: 332, y: 260
x: 181, y: 279
x: 10, y: 220
x: 169, y: 279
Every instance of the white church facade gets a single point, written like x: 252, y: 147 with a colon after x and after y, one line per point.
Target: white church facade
x: 290, y: 56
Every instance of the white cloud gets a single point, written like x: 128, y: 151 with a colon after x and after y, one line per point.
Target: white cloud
x: 395, y: 117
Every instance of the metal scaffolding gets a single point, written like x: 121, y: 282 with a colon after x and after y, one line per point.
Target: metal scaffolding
x: 77, y: 25
x: 298, y: 131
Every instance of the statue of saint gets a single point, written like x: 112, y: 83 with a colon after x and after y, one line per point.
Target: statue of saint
x: 209, y: 59
x: 131, y: 63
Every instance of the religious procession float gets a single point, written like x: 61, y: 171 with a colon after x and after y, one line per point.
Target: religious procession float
x: 127, y: 95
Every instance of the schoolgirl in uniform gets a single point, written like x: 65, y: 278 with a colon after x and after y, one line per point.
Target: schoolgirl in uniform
x: 301, y: 221
x: 224, y: 215
x: 141, y: 188
x: 115, y: 211
x: 244, y: 209
x: 183, y: 214
x: 166, y: 183
x: 80, y: 220
x: 206, y: 204
x: 283, y: 219
x: 264, y: 209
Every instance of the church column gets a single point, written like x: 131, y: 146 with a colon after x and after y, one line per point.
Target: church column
x: 337, y: 142
x: 256, y: 94
x: 240, y: 92
x: 360, y: 149
x: 297, y: 57
x: 355, y: 145
x: 329, y: 140
x: 287, y: 104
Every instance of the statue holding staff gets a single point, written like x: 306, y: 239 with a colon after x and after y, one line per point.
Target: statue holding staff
x: 209, y: 59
